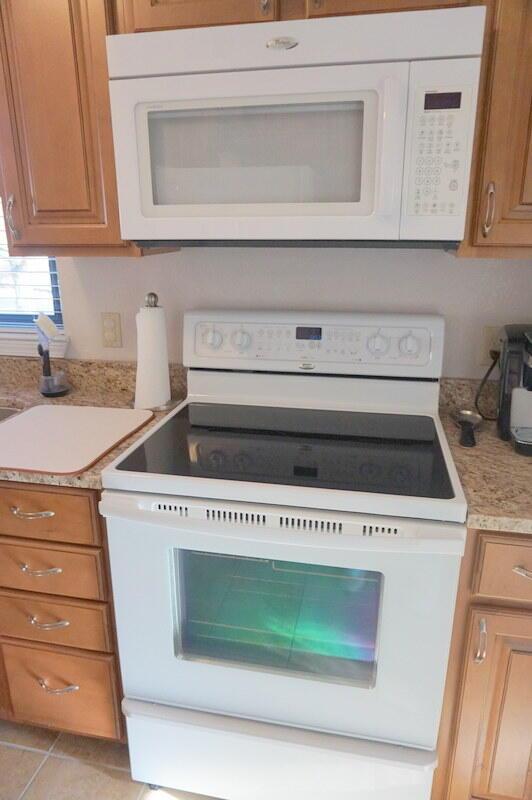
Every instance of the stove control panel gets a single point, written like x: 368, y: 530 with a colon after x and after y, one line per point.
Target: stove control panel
x: 377, y: 344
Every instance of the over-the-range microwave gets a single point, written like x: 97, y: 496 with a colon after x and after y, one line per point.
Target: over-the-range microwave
x: 331, y: 130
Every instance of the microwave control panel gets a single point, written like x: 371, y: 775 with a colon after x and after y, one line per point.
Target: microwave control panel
x: 439, y: 157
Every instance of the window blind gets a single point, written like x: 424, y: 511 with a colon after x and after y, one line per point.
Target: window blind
x: 27, y: 286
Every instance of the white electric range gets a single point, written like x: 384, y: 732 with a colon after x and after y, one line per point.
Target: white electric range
x: 285, y: 549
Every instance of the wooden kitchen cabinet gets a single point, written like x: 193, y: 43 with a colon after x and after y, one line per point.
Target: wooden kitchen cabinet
x: 485, y: 742
x: 145, y: 15
x: 494, y: 742
x: 326, y: 8
x: 148, y: 15
x: 57, y: 170
x: 500, y: 216
x: 56, y: 620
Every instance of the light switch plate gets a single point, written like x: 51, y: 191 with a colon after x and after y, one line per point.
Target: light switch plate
x: 111, y: 329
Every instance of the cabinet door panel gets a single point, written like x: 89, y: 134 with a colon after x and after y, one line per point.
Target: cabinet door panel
x: 509, y: 738
x: 323, y: 8
x: 145, y: 15
x: 504, y: 213
x: 494, y: 739
x: 55, y: 132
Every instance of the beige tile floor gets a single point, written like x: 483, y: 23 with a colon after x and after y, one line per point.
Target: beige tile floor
x: 37, y: 764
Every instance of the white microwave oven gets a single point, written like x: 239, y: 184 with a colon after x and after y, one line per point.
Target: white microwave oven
x: 329, y: 130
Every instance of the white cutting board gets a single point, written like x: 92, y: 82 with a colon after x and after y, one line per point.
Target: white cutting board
x: 64, y: 440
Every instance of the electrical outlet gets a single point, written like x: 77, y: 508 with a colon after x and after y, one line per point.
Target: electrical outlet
x: 111, y: 329
x: 490, y: 340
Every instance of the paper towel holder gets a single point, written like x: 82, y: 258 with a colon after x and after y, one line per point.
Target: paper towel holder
x: 151, y: 300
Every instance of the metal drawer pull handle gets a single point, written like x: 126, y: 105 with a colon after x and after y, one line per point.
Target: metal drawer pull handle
x: 490, y: 210
x: 265, y: 6
x: 48, y: 626
x: 9, y: 217
x: 40, y: 573
x: 66, y: 690
x: 17, y: 512
x: 482, y: 648
x: 523, y: 572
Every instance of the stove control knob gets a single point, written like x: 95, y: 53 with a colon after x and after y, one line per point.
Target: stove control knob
x: 213, y: 339
x: 409, y: 345
x: 217, y: 459
x: 378, y: 344
x: 243, y: 462
x: 241, y: 339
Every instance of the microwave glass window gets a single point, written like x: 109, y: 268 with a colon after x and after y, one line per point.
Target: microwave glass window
x: 305, y: 619
x: 257, y: 154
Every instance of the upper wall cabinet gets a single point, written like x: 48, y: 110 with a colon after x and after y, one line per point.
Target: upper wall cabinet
x: 323, y: 8
x: 501, y: 201
x: 56, y: 151
x: 148, y: 15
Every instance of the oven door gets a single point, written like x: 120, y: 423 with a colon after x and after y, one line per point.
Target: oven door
x: 305, y: 153
x: 299, y: 626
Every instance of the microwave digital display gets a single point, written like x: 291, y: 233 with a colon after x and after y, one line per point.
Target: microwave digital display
x: 441, y: 101
x: 309, y: 333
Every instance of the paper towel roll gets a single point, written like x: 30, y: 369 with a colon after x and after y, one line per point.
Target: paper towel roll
x: 153, y: 377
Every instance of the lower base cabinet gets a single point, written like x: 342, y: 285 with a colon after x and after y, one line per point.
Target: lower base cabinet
x: 485, y: 745
x: 68, y: 690
x: 58, y: 662
x: 494, y: 741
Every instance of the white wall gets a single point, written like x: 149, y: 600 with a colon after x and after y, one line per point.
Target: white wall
x: 469, y: 293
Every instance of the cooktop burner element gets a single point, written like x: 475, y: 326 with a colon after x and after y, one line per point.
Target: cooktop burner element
x: 397, y: 454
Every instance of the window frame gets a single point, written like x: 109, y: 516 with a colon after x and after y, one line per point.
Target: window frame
x: 26, y: 320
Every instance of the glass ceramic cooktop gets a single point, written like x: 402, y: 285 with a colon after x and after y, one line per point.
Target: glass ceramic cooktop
x: 383, y: 453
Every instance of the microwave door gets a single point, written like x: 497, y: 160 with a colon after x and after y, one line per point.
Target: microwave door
x: 302, y: 154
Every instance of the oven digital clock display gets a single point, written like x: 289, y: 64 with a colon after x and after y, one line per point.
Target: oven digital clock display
x: 309, y: 333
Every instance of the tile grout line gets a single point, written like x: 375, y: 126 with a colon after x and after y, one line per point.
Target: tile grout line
x: 141, y: 792
x: 65, y: 757
x: 26, y: 747
x: 41, y: 765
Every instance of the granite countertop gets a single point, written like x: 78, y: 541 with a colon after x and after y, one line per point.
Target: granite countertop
x: 496, y: 480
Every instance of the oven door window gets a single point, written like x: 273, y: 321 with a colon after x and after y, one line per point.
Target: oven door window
x: 314, y: 621
x: 254, y: 157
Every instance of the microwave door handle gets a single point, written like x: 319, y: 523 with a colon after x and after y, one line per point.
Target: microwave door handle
x: 394, y: 96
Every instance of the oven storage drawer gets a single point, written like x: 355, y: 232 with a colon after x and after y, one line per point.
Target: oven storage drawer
x: 504, y: 569
x: 71, y: 691
x: 172, y: 746
x: 49, y: 515
x: 71, y: 623
x: 52, y: 569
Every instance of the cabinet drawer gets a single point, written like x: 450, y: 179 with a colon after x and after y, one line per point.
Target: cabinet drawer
x: 505, y: 569
x: 50, y: 515
x: 60, y: 690
x: 52, y: 569
x: 81, y: 624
